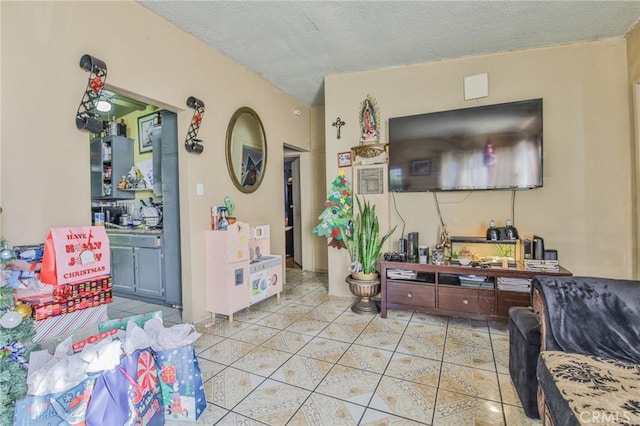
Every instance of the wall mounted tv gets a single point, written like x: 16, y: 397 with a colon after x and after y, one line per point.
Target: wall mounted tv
x: 479, y: 148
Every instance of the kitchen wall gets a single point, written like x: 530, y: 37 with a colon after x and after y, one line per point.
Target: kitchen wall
x: 584, y: 209
x: 44, y: 173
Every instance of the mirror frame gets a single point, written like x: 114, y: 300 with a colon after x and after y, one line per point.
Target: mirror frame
x: 229, y: 140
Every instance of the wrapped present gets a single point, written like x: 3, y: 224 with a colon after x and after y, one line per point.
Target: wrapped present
x: 121, y: 323
x: 29, y: 253
x: 34, y: 292
x: 55, y: 326
x: 83, y: 288
x: 181, y: 384
x: 128, y: 394
x: 93, y: 339
x: 55, y: 306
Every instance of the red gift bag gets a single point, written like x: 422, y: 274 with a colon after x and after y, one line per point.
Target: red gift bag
x: 75, y: 254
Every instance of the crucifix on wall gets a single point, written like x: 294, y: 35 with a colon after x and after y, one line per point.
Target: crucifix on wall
x: 338, y: 124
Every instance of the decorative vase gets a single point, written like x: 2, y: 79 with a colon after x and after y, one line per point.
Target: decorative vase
x: 365, y: 289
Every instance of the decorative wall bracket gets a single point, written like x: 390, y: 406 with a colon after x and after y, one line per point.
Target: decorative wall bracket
x: 86, y: 115
x: 191, y: 143
x: 369, y: 150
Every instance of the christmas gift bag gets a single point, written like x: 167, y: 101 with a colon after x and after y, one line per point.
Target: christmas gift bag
x: 63, y: 408
x: 181, y: 383
x: 75, y: 254
x: 128, y: 394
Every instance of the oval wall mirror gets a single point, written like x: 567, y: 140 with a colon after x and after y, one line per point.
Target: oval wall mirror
x: 246, y: 148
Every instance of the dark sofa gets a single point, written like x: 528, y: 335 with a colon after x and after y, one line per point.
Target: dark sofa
x: 588, y: 370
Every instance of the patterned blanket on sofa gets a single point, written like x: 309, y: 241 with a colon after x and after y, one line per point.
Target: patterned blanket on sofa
x: 589, y: 390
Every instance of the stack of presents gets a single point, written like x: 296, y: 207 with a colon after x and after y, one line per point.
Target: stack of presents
x: 66, y: 280
x: 134, y: 371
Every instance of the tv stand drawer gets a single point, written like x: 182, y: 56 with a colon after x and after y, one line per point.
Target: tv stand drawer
x: 465, y: 300
x: 412, y: 294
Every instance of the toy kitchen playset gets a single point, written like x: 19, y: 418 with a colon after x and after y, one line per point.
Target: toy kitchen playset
x: 240, y: 269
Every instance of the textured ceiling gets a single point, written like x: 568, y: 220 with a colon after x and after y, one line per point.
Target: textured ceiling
x: 295, y: 44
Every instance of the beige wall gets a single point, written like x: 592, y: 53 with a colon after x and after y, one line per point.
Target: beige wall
x: 319, y: 187
x: 633, y: 59
x: 45, y: 159
x: 584, y: 208
x: 633, y: 52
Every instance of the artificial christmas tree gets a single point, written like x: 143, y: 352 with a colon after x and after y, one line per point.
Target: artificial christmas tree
x: 16, y: 332
x: 338, y: 212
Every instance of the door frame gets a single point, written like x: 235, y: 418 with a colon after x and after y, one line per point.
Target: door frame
x: 306, y: 203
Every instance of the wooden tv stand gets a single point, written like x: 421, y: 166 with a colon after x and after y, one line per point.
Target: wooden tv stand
x: 439, y: 290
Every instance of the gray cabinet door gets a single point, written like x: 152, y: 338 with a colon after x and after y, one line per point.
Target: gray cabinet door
x: 104, y: 185
x: 171, y: 231
x: 122, y: 269
x: 148, y: 272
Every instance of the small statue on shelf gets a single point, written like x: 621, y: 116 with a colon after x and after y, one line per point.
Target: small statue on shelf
x: 123, y: 184
x: 444, y: 243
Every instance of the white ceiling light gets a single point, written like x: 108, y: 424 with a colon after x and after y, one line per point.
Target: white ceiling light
x: 103, y: 106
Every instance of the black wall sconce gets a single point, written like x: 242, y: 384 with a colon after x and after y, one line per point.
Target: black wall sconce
x: 191, y: 143
x: 86, y: 115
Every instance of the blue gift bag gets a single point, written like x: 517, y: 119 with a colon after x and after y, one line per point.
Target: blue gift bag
x: 62, y: 408
x: 181, y: 383
x: 128, y: 395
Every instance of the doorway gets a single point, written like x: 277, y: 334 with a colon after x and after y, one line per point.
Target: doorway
x: 292, y: 214
x: 134, y: 185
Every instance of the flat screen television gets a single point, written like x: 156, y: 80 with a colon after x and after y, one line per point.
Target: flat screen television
x: 479, y: 148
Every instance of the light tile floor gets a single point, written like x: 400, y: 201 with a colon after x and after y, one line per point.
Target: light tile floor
x: 308, y: 360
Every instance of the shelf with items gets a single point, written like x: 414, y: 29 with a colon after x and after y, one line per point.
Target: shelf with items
x: 110, y: 156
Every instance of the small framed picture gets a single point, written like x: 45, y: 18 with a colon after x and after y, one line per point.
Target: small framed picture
x: 145, y: 125
x: 421, y: 167
x: 344, y: 159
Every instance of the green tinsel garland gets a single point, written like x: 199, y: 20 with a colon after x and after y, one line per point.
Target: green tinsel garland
x: 13, y: 377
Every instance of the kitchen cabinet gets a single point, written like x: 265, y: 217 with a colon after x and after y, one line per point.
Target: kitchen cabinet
x: 122, y: 269
x: 111, y: 157
x: 136, y: 265
x: 148, y: 271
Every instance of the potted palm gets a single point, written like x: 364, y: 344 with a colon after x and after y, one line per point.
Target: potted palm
x: 364, y: 246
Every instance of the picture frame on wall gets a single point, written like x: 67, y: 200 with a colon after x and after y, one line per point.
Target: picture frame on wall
x: 344, y: 159
x: 370, y: 181
x: 145, y: 126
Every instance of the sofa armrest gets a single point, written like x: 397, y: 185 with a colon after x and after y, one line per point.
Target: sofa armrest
x: 539, y: 309
x: 547, y: 338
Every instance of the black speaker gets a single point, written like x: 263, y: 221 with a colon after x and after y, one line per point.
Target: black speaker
x: 412, y: 249
x: 402, y: 246
x: 528, y: 249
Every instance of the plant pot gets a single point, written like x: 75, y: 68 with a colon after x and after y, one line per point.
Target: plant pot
x: 364, y: 277
x: 365, y: 290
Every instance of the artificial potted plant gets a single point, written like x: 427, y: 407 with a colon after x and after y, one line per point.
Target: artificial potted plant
x: 364, y: 246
